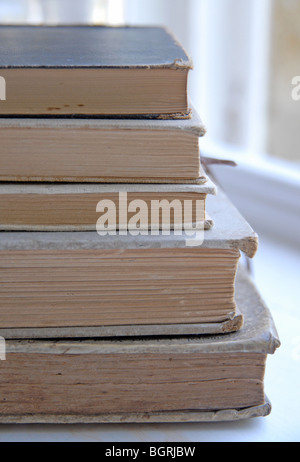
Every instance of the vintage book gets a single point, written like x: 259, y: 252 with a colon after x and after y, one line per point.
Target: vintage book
x: 78, y: 207
x: 101, y: 150
x: 68, y: 284
x: 185, y: 379
x: 94, y: 71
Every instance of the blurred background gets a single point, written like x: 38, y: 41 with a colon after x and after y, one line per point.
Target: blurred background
x: 246, y: 87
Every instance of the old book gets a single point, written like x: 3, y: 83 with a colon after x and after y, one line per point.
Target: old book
x: 190, y: 379
x: 78, y: 207
x: 96, y: 150
x: 66, y: 284
x: 94, y: 71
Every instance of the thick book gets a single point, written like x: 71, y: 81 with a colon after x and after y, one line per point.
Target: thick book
x: 96, y: 150
x: 186, y: 379
x: 94, y: 71
x: 78, y: 207
x: 70, y: 284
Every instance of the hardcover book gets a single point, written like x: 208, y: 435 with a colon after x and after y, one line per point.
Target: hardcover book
x: 78, y: 207
x: 93, y: 71
x: 186, y: 379
x: 96, y: 150
x: 73, y: 284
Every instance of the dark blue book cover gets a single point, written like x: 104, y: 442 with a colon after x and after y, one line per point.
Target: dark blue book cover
x: 92, y: 70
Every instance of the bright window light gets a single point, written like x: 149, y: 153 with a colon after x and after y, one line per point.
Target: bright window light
x: 115, y: 12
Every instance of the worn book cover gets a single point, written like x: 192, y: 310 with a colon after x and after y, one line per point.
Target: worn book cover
x: 101, y: 150
x: 93, y: 71
x: 78, y: 207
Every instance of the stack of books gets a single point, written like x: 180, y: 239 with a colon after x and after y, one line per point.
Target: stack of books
x: 121, y: 296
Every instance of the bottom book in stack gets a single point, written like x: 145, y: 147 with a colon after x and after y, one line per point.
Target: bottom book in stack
x: 183, y: 379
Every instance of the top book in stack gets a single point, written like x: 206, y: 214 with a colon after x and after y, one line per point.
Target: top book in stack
x: 93, y: 72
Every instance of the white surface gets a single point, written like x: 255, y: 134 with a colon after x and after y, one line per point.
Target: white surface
x: 276, y: 271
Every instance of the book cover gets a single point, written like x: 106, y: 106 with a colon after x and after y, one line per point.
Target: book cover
x: 78, y: 207
x: 96, y: 150
x: 93, y: 70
